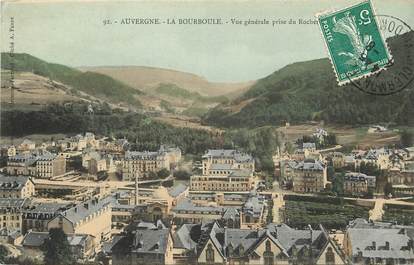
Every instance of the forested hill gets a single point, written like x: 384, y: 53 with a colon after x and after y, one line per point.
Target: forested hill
x: 308, y: 91
x: 94, y: 84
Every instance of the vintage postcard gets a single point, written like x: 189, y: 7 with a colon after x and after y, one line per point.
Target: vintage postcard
x: 207, y: 132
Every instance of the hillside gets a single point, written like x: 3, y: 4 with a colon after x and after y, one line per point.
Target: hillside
x: 147, y: 78
x: 93, y: 84
x: 307, y: 91
x: 34, y: 90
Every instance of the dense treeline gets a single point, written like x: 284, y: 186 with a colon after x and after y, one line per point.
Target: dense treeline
x: 308, y: 91
x: 178, y: 92
x: 143, y: 132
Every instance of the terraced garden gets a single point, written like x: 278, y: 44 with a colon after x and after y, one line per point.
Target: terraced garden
x: 400, y: 214
x: 332, y: 213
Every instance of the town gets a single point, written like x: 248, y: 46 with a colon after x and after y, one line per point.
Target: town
x: 115, y: 205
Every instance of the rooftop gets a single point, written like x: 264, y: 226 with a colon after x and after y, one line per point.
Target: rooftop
x: 13, y: 183
x: 85, y: 209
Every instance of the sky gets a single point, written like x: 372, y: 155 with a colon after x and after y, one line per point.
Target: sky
x: 73, y: 33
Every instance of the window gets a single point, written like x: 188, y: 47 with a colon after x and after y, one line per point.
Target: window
x: 268, y: 255
x: 210, y: 254
x: 330, y: 257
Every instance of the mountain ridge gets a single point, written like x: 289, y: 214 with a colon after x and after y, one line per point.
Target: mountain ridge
x: 148, y: 77
x: 305, y: 91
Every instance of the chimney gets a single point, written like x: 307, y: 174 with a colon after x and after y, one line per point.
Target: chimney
x: 387, y: 245
x: 136, y: 190
x: 374, y: 245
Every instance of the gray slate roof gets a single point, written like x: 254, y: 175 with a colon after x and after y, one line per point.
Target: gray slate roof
x: 13, y: 183
x: 34, y: 239
x: 151, y: 241
x: 310, y: 164
x: 362, y: 239
x: 187, y: 205
x: 177, y: 190
x: 80, y: 212
x: 145, y: 155
x: 230, y: 153
x: 309, y: 146
x: 182, y: 237
x: 12, y: 202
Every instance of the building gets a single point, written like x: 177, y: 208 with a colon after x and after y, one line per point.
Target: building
x: 378, y: 157
x: 245, y: 212
x: 223, y: 180
x: 82, y: 246
x: 358, y: 183
x: 16, y: 187
x: 227, y: 159
x: 404, y: 177
x: 26, y: 146
x: 185, y: 243
x: 11, y: 213
x: 320, y: 134
x: 50, y: 165
x: 187, y: 211
x: 96, y: 165
x: 309, y: 176
x: 7, y: 150
x: 21, y: 164
x: 308, y: 151
x: 287, y: 168
x: 142, y: 246
x: 252, y: 212
x: 78, y: 142
x: 224, y: 170
x: 310, y: 147
x: 36, y: 216
x: 110, y: 145
x: 140, y: 164
x: 44, y: 165
x: 275, y: 244
x: 338, y: 159
x: 92, y: 217
x: 173, y: 153
x: 378, y: 243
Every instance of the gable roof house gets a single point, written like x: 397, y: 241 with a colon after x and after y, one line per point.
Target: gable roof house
x: 276, y: 244
x: 379, y: 243
x: 144, y: 246
x: 92, y: 217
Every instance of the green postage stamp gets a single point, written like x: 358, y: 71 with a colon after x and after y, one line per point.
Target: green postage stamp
x: 354, y: 42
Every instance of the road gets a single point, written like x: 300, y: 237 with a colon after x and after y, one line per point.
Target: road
x: 93, y: 184
x: 278, y: 203
x: 376, y: 213
x: 336, y: 147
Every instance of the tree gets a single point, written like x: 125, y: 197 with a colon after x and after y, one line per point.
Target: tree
x: 330, y: 172
x: 338, y: 183
x: 181, y: 174
x: 369, y: 169
x: 388, y: 189
x: 163, y: 173
x: 3, y: 253
x: 56, y: 248
x: 406, y: 139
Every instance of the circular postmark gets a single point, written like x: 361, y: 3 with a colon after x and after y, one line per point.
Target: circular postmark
x: 399, y: 72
